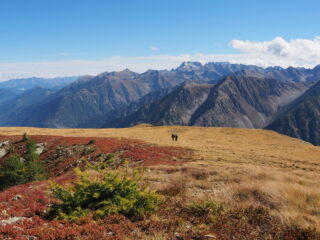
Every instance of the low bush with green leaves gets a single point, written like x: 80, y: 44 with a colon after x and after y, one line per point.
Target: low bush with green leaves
x: 34, y: 168
x: 115, y: 192
x: 91, y: 141
x: 16, y: 170
x: 87, y: 151
x: 109, y: 161
x: 12, y: 172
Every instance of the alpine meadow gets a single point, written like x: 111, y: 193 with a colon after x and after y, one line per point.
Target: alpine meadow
x: 159, y: 120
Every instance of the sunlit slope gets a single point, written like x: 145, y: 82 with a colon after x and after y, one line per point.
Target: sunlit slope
x: 243, y: 167
x: 242, y: 146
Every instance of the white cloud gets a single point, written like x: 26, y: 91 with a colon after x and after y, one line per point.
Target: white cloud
x: 296, y: 52
x: 82, y: 67
x: 153, y: 48
x: 277, y: 52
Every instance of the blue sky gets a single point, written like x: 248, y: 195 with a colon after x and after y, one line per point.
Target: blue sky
x: 119, y: 33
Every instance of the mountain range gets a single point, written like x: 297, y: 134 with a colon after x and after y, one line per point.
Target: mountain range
x: 195, y: 94
x: 301, y: 118
x: 22, y: 84
x: 12, y: 88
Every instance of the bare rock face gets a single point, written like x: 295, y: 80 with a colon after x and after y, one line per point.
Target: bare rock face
x: 4, y: 143
x: 3, y: 152
x: 3, y: 148
x: 40, y: 148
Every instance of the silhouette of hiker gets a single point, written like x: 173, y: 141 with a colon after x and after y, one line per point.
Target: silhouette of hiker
x: 173, y: 137
x: 176, y: 137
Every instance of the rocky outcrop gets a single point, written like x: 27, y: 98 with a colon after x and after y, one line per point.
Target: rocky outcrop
x: 40, y: 148
x: 3, y: 148
x: 4, y: 144
x: 3, y: 152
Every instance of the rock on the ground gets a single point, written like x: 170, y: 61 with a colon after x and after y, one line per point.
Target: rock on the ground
x: 11, y: 220
x: 210, y: 236
x: 4, y: 213
x: 39, y: 148
x: 17, y: 197
x: 4, y: 144
x: 3, y: 152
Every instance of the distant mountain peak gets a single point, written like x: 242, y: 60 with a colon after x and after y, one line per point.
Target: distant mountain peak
x: 123, y: 74
x: 275, y: 68
x: 126, y: 70
x: 151, y: 71
x: 190, y: 65
x: 211, y: 94
x: 317, y: 67
x: 218, y: 63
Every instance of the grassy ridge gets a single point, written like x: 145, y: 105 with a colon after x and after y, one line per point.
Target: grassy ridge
x: 236, y: 167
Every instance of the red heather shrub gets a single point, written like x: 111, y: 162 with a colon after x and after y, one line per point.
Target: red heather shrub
x: 32, y: 200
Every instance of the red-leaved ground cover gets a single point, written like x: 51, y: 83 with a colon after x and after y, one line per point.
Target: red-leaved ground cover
x: 23, y: 207
x: 63, y: 153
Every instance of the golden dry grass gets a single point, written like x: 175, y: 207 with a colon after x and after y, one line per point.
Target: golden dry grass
x: 239, y: 167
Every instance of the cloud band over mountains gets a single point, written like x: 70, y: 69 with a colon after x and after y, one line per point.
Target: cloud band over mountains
x: 277, y: 52
x: 300, y: 52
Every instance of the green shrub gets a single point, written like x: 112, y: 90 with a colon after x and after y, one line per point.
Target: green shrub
x: 34, y: 168
x: 92, y: 141
x: 107, y: 161
x: 24, y: 137
x: 114, y: 193
x: 11, y: 149
x: 12, y: 172
x: 112, y: 162
x: 87, y: 151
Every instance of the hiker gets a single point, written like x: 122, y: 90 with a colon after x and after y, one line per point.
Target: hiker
x: 173, y: 137
x: 176, y: 137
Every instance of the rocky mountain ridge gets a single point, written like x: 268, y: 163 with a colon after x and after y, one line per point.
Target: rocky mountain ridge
x: 211, y: 94
x: 301, y: 119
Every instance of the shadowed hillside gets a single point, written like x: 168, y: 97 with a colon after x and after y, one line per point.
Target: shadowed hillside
x: 247, y: 99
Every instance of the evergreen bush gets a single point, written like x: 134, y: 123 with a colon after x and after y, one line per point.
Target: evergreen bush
x: 116, y: 192
x: 16, y: 171
x: 12, y: 172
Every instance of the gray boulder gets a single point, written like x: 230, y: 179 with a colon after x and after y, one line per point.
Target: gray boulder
x: 3, y: 152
